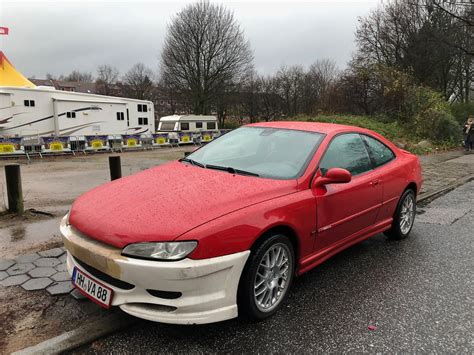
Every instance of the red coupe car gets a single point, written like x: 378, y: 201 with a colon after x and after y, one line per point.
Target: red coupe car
x: 225, y: 230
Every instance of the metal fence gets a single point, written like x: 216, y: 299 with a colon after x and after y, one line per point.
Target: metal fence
x: 40, y: 146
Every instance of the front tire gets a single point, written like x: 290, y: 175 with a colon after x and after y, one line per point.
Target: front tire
x: 266, y: 278
x: 404, y: 216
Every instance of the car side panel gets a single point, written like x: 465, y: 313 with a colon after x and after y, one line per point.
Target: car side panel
x: 397, y: 175
x: 345, y: 209
x: 237, y: 231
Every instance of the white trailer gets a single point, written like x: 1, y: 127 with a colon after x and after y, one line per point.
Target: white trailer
x: 44, y: 111
x: 189, y: 128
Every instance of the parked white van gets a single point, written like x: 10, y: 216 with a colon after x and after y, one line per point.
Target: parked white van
x: 184, y: 129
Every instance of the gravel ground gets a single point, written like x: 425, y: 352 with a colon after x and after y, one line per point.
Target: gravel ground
x: 378, y: 296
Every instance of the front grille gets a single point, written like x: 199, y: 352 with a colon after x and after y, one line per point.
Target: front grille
x: 104, y: 277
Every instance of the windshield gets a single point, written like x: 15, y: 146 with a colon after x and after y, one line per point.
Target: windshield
x: 266, y: 152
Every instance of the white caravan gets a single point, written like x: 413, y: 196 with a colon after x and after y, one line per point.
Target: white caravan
x: 189, y: 128
x: 44, y: 111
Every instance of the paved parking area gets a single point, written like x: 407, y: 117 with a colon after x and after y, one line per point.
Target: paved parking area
x: 44, y: 270
x: 445, y: 168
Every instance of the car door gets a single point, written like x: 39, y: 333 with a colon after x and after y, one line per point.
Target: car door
x: 345, y: 210
x: 391, y: 176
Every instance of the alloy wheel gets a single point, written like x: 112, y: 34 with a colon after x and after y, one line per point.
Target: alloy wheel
x: 407, y: 214
x: 272, y: 277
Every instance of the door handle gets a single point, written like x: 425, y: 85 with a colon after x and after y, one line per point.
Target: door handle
x: 374, y: 182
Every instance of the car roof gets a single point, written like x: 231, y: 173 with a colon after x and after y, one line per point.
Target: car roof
x: 319, y: 127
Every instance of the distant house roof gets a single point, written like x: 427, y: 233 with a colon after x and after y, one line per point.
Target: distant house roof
x: 74, y: 86
x: 41, y: 82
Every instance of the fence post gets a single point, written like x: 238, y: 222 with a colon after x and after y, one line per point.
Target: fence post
x: 115, y: 167
x: 14, y: 191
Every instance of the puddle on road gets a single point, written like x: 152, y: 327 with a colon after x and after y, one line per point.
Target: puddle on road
x: 25, y: 236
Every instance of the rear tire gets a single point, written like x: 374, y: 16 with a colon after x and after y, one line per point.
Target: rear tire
x: 404, y: 216
x: 266, y: 278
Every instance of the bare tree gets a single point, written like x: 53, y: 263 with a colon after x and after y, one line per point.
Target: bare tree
x: 317, y: 80
x: 138, y: 82
x: 433, y: 40
x: 271, y: 102
x: 461, y: 10
x: 106, y: 79
x: 290, y: 85
x: 76, y: 75
x: 50, y: 76
x: 205, y: 53
x: 250, y: 94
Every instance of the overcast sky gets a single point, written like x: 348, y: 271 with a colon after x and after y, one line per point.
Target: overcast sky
x: 60, y: 36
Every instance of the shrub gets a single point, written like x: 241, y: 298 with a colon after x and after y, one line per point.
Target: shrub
x: 230, y: 124
x: 462, y: 110
x: 423, y: 99
x: 438, y: 126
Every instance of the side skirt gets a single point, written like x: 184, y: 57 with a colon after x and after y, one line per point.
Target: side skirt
x: 321, y: 256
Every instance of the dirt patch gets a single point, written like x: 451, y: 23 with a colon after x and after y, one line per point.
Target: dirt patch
x: 28, y: 233
x: 30, y: 317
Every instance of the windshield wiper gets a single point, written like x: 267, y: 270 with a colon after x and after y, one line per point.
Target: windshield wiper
x: 193, y: 162
x: 230, y: 170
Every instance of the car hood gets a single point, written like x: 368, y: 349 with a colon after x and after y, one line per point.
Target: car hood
x: 161, y: 203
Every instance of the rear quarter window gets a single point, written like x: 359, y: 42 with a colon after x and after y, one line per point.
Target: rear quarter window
x: 379, y: 152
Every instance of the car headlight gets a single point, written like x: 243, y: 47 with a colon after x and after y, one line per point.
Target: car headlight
x: 160, y: 251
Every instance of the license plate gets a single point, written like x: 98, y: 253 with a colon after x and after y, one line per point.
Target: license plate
x: 96, y: 291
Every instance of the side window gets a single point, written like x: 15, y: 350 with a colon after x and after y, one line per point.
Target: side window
x: 211, y: 125
x: 346, y: 151
x: 29, y: 103
x: 185, y: 126
x: 142, y: 108
x: 381, y: 154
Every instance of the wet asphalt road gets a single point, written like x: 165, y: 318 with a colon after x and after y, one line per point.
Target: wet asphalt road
x: 418, y: 293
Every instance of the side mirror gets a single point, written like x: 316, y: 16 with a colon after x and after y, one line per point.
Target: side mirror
x: 333, y: 176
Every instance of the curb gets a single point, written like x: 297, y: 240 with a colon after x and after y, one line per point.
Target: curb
x: 80, y: 336
x: 428, y: 196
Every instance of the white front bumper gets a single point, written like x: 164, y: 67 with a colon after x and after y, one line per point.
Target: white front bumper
x: 208, y: 287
